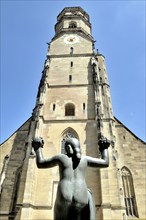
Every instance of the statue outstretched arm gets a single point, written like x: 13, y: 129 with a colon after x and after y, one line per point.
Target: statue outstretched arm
x: 37, y: 145
x: 102, y: 162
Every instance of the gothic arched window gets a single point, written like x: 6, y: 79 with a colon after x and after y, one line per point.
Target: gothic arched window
x: 129, y: 195
x: 69, y: 132
x: 69, y: 109
x: 72, y: 24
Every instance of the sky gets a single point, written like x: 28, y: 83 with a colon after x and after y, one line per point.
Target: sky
x: 119, y: 30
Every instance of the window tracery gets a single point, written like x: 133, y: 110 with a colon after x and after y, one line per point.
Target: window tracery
x: 129, y: 195
x: 69, y: 132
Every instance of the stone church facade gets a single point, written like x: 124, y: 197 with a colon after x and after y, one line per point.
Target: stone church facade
x: 73, y: 97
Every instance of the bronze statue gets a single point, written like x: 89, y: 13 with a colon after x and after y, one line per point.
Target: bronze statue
x: 74, y: 200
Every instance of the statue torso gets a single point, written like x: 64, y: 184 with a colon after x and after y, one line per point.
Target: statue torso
x: 72, y: 186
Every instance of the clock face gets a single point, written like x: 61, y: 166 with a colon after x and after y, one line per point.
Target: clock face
x: 71, y: 39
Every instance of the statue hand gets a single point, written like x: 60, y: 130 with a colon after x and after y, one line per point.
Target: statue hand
x: 103, y: 143
x: 37, y: 142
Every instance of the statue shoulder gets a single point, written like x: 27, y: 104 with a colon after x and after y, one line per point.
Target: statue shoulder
x: 62, y: 158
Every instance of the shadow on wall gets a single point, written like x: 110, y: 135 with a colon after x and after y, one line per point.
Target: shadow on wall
x: 12, y: 170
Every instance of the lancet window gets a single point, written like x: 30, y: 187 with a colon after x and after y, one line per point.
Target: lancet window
x: 129, y: 195
x: 69, y: 132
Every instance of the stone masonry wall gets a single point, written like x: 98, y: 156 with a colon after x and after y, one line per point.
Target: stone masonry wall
x: 14, y: 149
x: 131, y: 153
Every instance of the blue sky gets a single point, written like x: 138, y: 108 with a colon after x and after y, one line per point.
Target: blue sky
x: 119, y: 30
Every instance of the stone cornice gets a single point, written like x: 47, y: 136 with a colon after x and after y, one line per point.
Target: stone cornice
x: 29, y: 205
x: 70, y: 17
x: 70, y: 119
x: 69, y: 9
x: 67, y: 86
x: 110, y: 206
x: 69, y: 55
x: 78, y: 30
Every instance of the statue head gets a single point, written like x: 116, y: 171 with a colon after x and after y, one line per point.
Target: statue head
x: 72, y: 147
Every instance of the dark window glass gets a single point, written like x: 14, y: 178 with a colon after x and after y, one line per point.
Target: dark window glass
x: 71, y: 50
x: 70, y: 78
x: 84, y: 106
x: 54, y: 106
x: 72, y: 25
x: 69, y: 110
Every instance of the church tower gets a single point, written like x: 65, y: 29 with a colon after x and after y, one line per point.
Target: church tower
x: 73, y: 99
